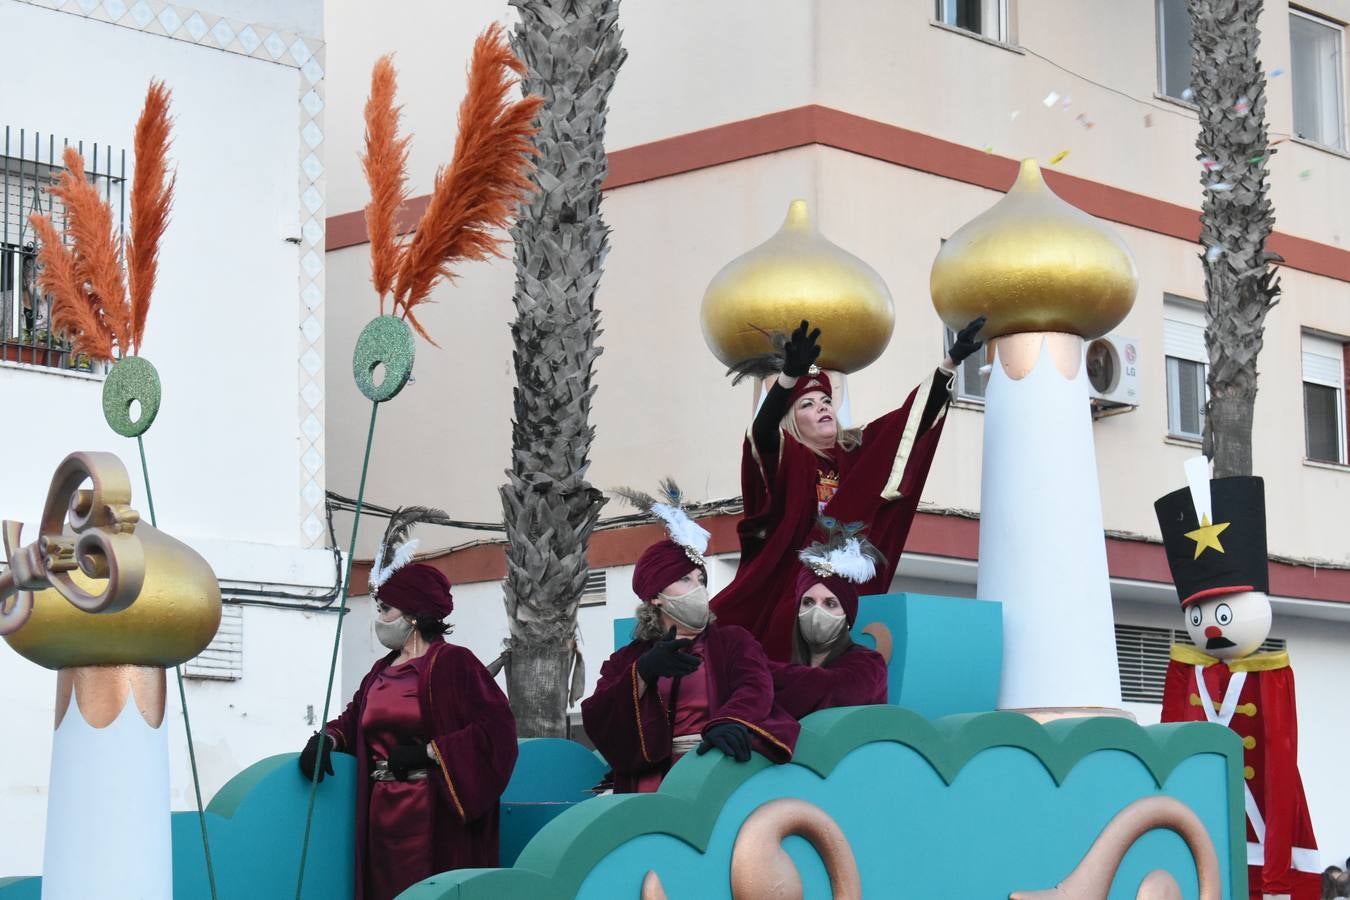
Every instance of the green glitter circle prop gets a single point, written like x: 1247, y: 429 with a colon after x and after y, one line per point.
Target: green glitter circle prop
x: 386, y: 341
x: 131, y: 379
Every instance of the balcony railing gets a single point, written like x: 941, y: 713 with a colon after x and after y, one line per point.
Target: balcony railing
x: 29, y: 164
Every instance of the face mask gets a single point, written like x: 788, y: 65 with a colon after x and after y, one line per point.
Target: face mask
x: 819, y: 628
x: 393, y: 634
x: 690, y: 610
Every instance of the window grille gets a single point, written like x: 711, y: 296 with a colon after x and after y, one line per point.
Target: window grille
x: 1142, y: 654
x: 593, y: 594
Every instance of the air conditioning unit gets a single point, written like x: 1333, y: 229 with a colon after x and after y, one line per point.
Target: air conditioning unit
x: 1113, y: 374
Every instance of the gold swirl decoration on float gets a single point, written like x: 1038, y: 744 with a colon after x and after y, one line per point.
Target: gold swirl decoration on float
x: 762, y: 870
x: 798, y: 274
x: 1092, y: 877
x: 157, y: 602
x: 1034, y: 263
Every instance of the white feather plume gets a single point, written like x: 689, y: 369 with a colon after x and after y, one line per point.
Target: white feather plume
x: 847, y: 561
x: 683, y: 530
x: 379, y: 573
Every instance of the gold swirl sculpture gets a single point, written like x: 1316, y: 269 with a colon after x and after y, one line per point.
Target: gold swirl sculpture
x: 762, y: 870
x: 1034, y: 263
x: 798, y: 274
x: 157, y: 601
x: 1091, y: 879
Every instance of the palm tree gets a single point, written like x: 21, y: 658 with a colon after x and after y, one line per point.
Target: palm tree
x: 572, y: 53
x: 1236, y: 219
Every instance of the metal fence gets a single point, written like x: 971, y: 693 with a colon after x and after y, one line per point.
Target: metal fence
x: 30, y: 162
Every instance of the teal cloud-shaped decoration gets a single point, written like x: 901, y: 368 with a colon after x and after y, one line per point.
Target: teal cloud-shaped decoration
x: 971, y: 806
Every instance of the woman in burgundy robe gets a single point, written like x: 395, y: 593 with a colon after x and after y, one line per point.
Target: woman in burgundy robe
x: 683, y: 682
x: 827, y: 668
x: 796, y: 465
x: 434, y: 740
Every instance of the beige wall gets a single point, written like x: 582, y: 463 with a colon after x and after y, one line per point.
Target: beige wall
x: 662, y: 405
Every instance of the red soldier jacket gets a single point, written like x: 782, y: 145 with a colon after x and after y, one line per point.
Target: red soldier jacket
x: 1254, y: 696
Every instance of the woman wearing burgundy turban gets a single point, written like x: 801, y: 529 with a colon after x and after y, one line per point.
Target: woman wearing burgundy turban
x: 683, y: 682
x: 797, y: 464
x: 434, y: 740
x: 827, y: 668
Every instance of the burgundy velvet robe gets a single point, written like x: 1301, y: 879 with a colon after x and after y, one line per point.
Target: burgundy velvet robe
x: 633, y: 733
x: 466, y: 716
x: 879, y: 483
x: 856, y: 677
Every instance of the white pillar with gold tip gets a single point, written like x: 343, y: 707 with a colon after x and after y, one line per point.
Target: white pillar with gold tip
x: 1047, y: 276
x: 141, y: 602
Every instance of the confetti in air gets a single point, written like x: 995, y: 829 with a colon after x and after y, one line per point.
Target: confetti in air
x: 988, y: 148
x: 1050, y: 100
x: 1188, y: 94
x: 1213, y: 253
x: 1242, y: 106
x: 1085, y: 121
x: 1012, y: 116
x: 1257, y: 160
x: 1305, y: 174
x: 1276, y: 73
x: 1148, y: 120
x: 1066, y: 102
x: 1058, y: 157
x: 1211, y: 164
x: 1220, y: 186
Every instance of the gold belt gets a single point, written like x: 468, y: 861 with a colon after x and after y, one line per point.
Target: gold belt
x: 382, y: 772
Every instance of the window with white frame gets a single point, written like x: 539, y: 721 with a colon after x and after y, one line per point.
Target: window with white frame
x: 1316, y: 70
x: 1174, y: 49
x: 988, y: 18
x: 1187, y: 367
x: 1324, y: 398
x: 969, y: 381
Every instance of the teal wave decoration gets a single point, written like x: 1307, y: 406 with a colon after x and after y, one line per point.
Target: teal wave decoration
x: 967, y: 806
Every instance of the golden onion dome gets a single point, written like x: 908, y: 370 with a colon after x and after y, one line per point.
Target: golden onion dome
x: 1032, y: 262
x: 798, y: 274
x: 172, y: 619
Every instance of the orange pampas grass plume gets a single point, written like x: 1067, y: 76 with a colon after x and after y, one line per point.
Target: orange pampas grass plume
x: 473, y: 198
x: 151, y: 200
x: 90, y: 303
x: 386, y: 164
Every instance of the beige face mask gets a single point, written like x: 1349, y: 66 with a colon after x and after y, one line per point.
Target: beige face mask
x: 394, y: 634
x: 819, y: 627
x: 690, y: 610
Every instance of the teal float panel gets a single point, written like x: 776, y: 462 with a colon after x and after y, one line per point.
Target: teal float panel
x: 971, y: 806
x: 256, y: 826
x: 946, y: 652
x: 551, y: 776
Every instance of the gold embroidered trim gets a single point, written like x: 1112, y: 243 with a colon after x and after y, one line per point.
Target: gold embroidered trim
x: 759, y: 731
x: 911, y: 433
x: 1257, y: 662
x: 637, y: 714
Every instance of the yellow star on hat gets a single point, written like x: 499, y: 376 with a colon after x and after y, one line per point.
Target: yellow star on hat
x: 1207, y: 536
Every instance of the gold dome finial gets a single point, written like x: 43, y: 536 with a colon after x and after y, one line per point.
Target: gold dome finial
x: 798, y: 274
x: 103, y: 588
x: 1034, y: 263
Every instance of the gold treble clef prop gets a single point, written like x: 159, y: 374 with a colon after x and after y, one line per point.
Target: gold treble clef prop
x: 101, y: 542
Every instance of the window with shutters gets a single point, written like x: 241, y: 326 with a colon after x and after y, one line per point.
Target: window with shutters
x: 1174, y: 49
x: 593, y: 594
x: 1316, y: 77
x: 987, y: 18
x: 223, y: 658
x: 1187, y: 367
x: 1324, y: 398
x: 1142, y: 654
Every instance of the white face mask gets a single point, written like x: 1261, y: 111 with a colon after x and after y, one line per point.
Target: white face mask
x: 394, y: 634
x: 819, y: 627
x: 690, y: 610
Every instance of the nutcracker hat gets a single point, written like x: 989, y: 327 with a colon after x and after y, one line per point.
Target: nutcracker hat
x: 842, y: 562
x: 667, y: 561
x: 1214, y: 532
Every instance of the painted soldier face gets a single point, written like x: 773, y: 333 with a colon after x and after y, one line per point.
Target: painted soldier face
x: 1229, y: 626
x: 814, y: 415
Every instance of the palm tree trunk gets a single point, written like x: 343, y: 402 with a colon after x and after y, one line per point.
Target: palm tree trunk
x: 1236, y: 219
x: 572, y: 53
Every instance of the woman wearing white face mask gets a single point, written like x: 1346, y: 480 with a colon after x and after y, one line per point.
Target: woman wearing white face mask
x: 435, y: 743
x: 827, y: 668
x: 684, y: 682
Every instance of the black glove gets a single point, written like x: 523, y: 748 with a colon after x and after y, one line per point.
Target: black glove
x: 732, y: 738
x: 965, y: 343
x: 406, y: 758
x: 800, y: 351
x: 318, y: 751
x: 667, y: 659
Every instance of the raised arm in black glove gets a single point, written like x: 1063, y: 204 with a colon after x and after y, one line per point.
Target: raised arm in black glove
x: 407, y: 758
x: 965, y: 343
x: 667, y: 659
x: 317, y: 752
x: 800, y: 351
x: 732, y: 738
